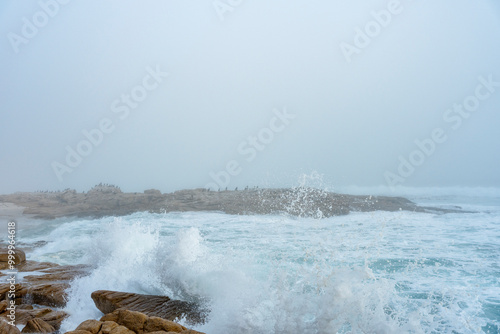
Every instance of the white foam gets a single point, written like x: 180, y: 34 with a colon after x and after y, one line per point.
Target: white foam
x: 376, y: 272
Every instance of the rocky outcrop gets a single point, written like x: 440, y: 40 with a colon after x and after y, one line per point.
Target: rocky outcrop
x: 130, y: 322
x: 44, y: 290
x: 37, y: 325
x: 157, y: 306
x: 111, y: 201
x: 47, y: 288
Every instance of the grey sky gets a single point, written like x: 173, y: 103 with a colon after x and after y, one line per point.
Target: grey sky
x: 353, y: 116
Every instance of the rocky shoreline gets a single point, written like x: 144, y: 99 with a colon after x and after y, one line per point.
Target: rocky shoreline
x: 103, y: 200
x: 35, y: 303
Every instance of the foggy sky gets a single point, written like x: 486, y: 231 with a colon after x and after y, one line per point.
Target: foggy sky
x: 234, y: 67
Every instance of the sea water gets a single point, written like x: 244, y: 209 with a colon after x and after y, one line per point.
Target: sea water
x: 375, y: 272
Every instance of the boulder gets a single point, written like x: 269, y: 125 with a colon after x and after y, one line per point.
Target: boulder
x: 132, y: 320
x: 23, y: 316
x: 121, y: 330
x: 158, y: 324
x: 19, y: 257
x: 92, y: 326
x: 158, y: 306
x: 107, y: 327
x: 123, y: 321
x: 38, y: 326
x: 5, y: 328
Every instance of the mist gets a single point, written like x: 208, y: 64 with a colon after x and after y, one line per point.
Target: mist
x: 188, y: 94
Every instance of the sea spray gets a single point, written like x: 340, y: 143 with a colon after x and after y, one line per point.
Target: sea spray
x: 377, y: 272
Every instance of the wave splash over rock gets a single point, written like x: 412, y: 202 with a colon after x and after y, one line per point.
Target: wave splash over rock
x: 234, y: 290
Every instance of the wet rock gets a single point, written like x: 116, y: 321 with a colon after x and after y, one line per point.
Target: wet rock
x: 38, y: 326
x: 123, y: 321
x: 23, y: 316
x: 107, y: 327
x: 132, y: 320
x: 121, y: 330
x: 47, y: 288
x: 3, y: 305
x: 5, y: 328
x: 55, y: 318
x: 158, y: 324
x: 92, y: 326
x: 158, y: 306
x: 18, y: 257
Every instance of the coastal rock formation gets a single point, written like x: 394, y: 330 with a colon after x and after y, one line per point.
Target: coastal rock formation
x: 48, y: 287
x: 38, y: 326
x: 130, y: 322
x: 111, y: 201
x: 156, y: 306
x: 33, y: 293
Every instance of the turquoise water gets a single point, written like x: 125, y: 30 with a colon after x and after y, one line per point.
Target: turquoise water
x: 378, y: 272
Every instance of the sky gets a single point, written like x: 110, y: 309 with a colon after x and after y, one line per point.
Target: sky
x: 233, y: 93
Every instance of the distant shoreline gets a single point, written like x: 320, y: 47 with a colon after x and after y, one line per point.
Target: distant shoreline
x: 106, y: 200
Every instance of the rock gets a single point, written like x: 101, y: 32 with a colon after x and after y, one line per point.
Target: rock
x: 158, y: 306
x: 92, y: 326
x: 5, y: 328
x: 38, y: 326
x: 78, y: 332
x: 110, y: 317
x: 46, y: 289
x: 23, y: 316
x: 299, y: 201
x: 128, y: 322
x: 107, y: 327
x: 55, y: 318
x: 121, y: 330
x: 3, y: 305
x: 19, y: 257
x: 132, y: 320
x: 158, y: 324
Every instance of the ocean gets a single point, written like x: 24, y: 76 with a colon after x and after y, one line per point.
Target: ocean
x: 374, y: 272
